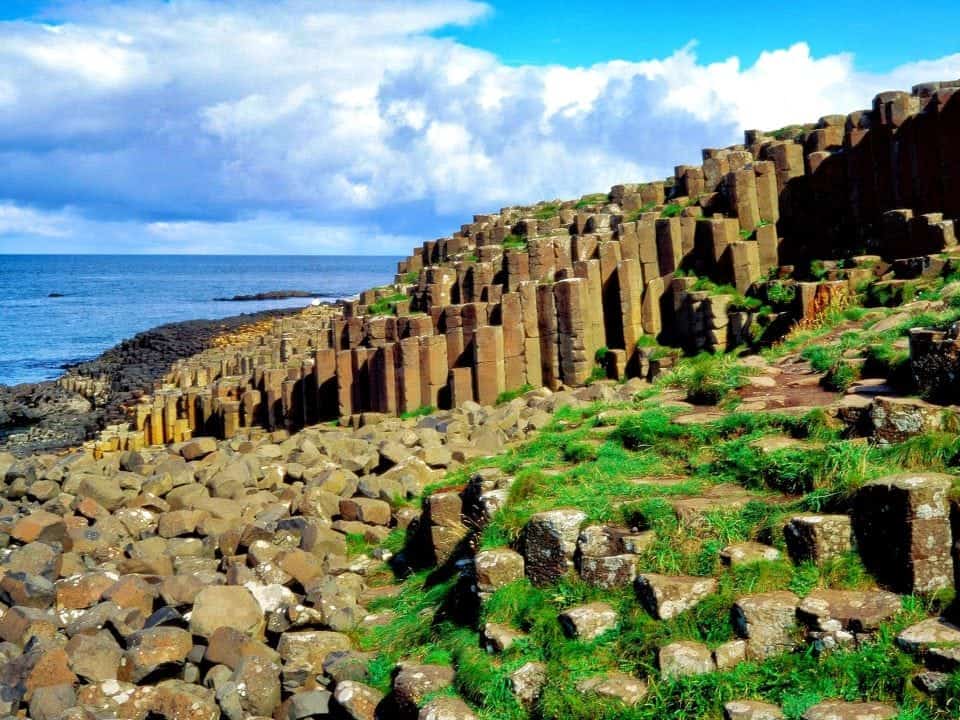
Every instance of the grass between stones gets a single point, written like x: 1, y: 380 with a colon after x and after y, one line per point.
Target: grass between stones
x: 628, y: 465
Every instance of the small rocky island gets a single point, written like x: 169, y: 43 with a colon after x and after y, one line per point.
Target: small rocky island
x: 271, y: 295
x: 683, y: 449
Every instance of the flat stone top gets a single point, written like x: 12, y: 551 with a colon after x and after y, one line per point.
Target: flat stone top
x: 839, y: 710
x: 913, y: 481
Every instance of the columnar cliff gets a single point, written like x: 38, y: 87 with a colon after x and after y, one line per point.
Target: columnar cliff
x: 540, y: 295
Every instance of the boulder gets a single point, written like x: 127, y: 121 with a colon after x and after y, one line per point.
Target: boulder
x: 751, y: 710
x: 549, y: 543
x: 496, y: 568
x: 840, y: 710
x: 748, y: 552
x: 527, y: 682
x: 766, y: 621
x: 666, y: 596
x: 857, y: 611
x: 588, y: 622
x: 446, y: 708
x: 614, y: 686
x: 902, y: 526
x: 817, y: 537
x: 356, y: 700
x: 682, y: 659
x: 229, y: 606
x: 414, y: 683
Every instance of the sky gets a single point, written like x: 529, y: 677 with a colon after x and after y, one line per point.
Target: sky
x: 368, y: 126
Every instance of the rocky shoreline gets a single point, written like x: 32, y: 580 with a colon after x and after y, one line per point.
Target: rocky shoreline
x: 46, y: 416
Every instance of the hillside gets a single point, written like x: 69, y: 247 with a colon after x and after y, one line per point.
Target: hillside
x: 686, y: 449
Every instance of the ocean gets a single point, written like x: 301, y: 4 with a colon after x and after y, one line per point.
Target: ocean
x: 107, y: 298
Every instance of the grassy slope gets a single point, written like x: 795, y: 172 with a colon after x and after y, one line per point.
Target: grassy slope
x: 588, y: 458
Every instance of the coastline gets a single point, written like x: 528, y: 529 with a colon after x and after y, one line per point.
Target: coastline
x: 45, y: 416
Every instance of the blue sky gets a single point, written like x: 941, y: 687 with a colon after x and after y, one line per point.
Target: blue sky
x: 324, y: 126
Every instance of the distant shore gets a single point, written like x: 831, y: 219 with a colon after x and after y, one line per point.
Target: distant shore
x: 44, y: 416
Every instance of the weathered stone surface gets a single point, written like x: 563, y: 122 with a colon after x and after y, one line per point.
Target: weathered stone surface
x: 666, y: 596
x: 496, y: 568
x: 681, y: 659
x: 615, y: 686
x: 226, y: 606
x: 149, y: 650
x: 817, y: 537
x: 588, y: 622
x: 357, y: 700
x: 936, y: 636
x: 839, y: 710
x: 858, y: 611
x: 730, y: 654
x: 751, y: 710
x: 312, y: 703
x: 902, y: 525
x: 609, y: 571
x: 446, y: 708
x: 748, y: 552
x: 414, y: 683
x: 766, y: 622
x: 527, y: 682
x: 498, y: 638
x: 549, y: 543
x: 303, y: 654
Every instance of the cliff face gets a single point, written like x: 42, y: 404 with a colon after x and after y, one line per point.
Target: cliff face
x: 539, y: 295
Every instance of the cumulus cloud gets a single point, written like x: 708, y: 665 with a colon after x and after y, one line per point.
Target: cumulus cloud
x: 325, y: 126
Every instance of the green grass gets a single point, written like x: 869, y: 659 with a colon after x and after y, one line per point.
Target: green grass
x: 547, y: 211
x: 593, y: 458
x: 509, y: 395
x: 418, y: 413
x: 590, y: 200
x: 514, y: 242
x: 671, y: 210
x: 708, y: 378
x: 638, y: 213
x: 411, y: 278
x: 386, y: 306
x: 781, y: 294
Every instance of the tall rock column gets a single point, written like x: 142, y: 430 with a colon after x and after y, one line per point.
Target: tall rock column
x: 489, y: 369
x: 573, y: 333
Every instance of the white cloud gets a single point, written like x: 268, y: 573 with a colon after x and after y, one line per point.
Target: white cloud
x: 302, y: 119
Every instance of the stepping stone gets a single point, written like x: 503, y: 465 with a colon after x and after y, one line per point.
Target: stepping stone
x: 933, y: 683
x: 773, y: 443
x: 699, y: 418
x: 730, y: 654
x: 916, y: 557
x: 666, y: 481
x: 935, y: 639
x: 748, y: 552
x: 751, y: 710
x: 446, y: 708
x: 839, y: 710
x: 766, y: 621
x: 527, y: 682
x: 856, y: 611
x: 683, y: 659
x: 817, y: 537
x: 615, y: 686
x: 609, y: 572
x: 414, y: 683
x: 549, y: 542
x: 666, y: 596
x: 497, y: 637
x: 496, y: 568
x: 725, y: 497
x: 588, y: 622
